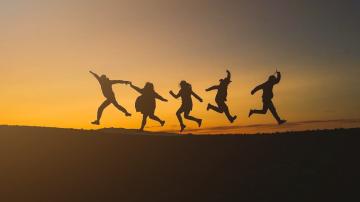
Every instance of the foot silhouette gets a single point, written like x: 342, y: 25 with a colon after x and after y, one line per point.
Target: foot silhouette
x: 95, y: 122
x: 127, y: 114
x: 282, y: 122
x: 162, y: 123
x: 200, y: 122
x: 182, y: 128
x: 233, y: 119
x: 251, y: 113
x: 208, y: 107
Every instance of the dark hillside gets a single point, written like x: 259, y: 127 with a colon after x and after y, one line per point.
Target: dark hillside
x: 49, y: 164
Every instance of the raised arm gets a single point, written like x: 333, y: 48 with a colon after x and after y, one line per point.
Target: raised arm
x: 257, y: 88
x: 196, y: 96
x: 228, y: 75
x: 278, y: 75
x: 95, y: 75
x: 139, y: 90
x: 212, y: 88
x: 157, y: 96
x: 120, y: 82
x: 176, y: 96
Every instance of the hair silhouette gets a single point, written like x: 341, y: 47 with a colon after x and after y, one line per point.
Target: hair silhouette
x: 185, y: 93
x: 106, y: 87
x: 146, y: 103
x: 267, y: 96
x: 221, y: 97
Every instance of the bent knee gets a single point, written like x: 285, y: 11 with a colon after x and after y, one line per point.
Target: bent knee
x: 187, y: 116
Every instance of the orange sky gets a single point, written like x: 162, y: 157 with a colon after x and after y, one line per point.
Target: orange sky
x: 48, y: 47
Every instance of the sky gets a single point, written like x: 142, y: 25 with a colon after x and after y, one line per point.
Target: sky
x: 48, y: 47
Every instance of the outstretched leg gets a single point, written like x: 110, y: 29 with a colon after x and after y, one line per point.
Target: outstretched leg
x: 143, y: 123
x: 191, y: 118
x: 154, y: 117
x: 121, y: 108
x: 178, y: 115
x: 275, y: 114
x: 214, y: 108
x: 262, y: 111
x: 225, y: 108
x: 100, y: 111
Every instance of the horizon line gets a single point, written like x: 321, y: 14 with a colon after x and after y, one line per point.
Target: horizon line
x: 217, y: 129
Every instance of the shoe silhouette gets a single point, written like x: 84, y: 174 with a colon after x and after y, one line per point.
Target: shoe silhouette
x: 200, y: 122
x: 186, y: 94
x: 146, y: 103
x: 106, y: 87
x: 95, y: 123
x: 221, y: 97
x: 182, y: 128
x: 267, y: 96
x: 233, y: 119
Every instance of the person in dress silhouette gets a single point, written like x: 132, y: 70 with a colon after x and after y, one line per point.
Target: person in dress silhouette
x: 221, y: 97
x: 185, y: 93
x: 146, y: 103
x: 106, y: 87
x: 267, y: 96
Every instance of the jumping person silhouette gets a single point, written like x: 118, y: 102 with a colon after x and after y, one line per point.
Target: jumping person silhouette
x: 221, y: 97
x: 146, y: 103
x: 106, y: 87
x: 267, y: 96
x: 185, y: 93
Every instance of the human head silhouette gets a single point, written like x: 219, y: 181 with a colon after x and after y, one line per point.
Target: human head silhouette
x: 225, y: 81
x: 272, y: 79
x: 104, y: 77
x: 183, y: 84
x: 149, y: 87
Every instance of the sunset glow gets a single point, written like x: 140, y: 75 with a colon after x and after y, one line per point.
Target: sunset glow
x: 48, y: 47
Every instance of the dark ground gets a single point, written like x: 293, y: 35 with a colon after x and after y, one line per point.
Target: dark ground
x: 44, y: 164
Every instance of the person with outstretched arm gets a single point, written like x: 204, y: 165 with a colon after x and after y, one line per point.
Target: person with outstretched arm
x: 186, y: 94
x: 221, y: 97
x: 267, y: 96
x: 146, y: 103
x: 106, y: 87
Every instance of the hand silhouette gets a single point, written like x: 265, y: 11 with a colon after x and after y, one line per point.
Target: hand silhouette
x: 252, y: 92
